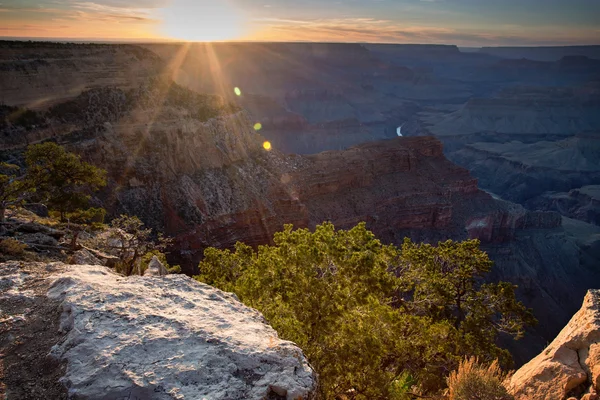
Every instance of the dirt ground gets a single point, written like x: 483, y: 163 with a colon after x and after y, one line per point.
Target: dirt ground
x: 28, y: 329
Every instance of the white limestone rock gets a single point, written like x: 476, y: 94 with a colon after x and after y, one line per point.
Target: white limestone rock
x: 172, y: 338
x: 84, y: 257
x: 155, y: 268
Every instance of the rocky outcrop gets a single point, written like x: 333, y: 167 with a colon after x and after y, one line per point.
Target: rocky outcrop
x: 503, y: 226
x: 155, y: 268
x: 143, y: 337
x: 84, y: 257
x: 570, y: 365
x: 394, y: 184
x: 581, y: 203
x: 400, y: 184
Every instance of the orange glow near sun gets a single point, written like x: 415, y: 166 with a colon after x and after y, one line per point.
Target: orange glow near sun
x: 203, y: 21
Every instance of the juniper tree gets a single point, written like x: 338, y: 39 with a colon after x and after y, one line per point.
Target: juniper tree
x: 61, y: 179
x: 373, y: 319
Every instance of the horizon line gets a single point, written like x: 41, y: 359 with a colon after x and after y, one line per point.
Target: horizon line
x: 240, y: 41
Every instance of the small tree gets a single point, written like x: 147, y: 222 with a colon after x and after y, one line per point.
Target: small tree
x: 80, y: 220
x: 13, y: 188
x: 61, y: 179
x: 129, y: 240
x: 446, y: 283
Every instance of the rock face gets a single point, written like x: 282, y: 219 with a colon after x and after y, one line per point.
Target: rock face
x: 528, y: 144
x: 570, y: 365
x: 403, y: 183
x: 396, y: 185
x: 504, y: 226
x: 84, y: 257
x: 43, y: 74
x: 581, y: 203
x: 148, y: 338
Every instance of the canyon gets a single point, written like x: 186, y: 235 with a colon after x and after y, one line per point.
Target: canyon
x: 187, y: 158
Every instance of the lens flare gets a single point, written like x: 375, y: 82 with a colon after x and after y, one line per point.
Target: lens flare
x: 257, y: 126
x: 267, y: 146
x: 237, y: 91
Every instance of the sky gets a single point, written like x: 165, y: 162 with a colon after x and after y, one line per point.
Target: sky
x: 461, y: 22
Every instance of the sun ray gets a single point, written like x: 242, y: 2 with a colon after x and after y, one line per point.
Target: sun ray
x: 164, y: 82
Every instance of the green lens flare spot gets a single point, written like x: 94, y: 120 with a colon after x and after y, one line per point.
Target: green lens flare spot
x: 257, y: 126
x: 237, y: 91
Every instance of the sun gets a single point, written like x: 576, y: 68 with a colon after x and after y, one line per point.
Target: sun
x: 203, y: 21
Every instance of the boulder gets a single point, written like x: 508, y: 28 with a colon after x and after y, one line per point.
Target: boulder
x: 38, y: 209
x: 108, y: 260
x: 84, y: 257
x: 32, y: 227
x: 170, y: 338
x: 155, y: 268
x: 38, y: 238
x: 569, y: 364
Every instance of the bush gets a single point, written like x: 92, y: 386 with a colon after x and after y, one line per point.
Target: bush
x: 375, y: 321
x: 473, y: 380
x: 12, y: 247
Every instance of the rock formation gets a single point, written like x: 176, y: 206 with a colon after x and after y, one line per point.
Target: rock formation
x: 42, y: 74
x: 155, y: 268
x: 582, y: 203
x: 84, y: 257
x: 149, y: 338
x: 570, y: 365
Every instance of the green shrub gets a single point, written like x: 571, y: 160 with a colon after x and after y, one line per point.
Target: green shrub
x: 474, y: 380
x: 375, y: 321
x: 12, y: 247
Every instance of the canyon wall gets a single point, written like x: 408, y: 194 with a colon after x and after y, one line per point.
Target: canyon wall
x: 38, y: 75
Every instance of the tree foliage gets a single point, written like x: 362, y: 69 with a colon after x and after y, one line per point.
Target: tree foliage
x: 62, y: 181
x: 375, y: 321
x: 130, y: 240
x: 13, y: 187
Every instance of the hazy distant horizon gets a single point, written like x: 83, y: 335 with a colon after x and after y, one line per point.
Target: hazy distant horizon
x: 174, y: 41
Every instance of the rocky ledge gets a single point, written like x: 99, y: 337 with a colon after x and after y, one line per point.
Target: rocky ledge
x: 162, y: 338
x: 570, y: 365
